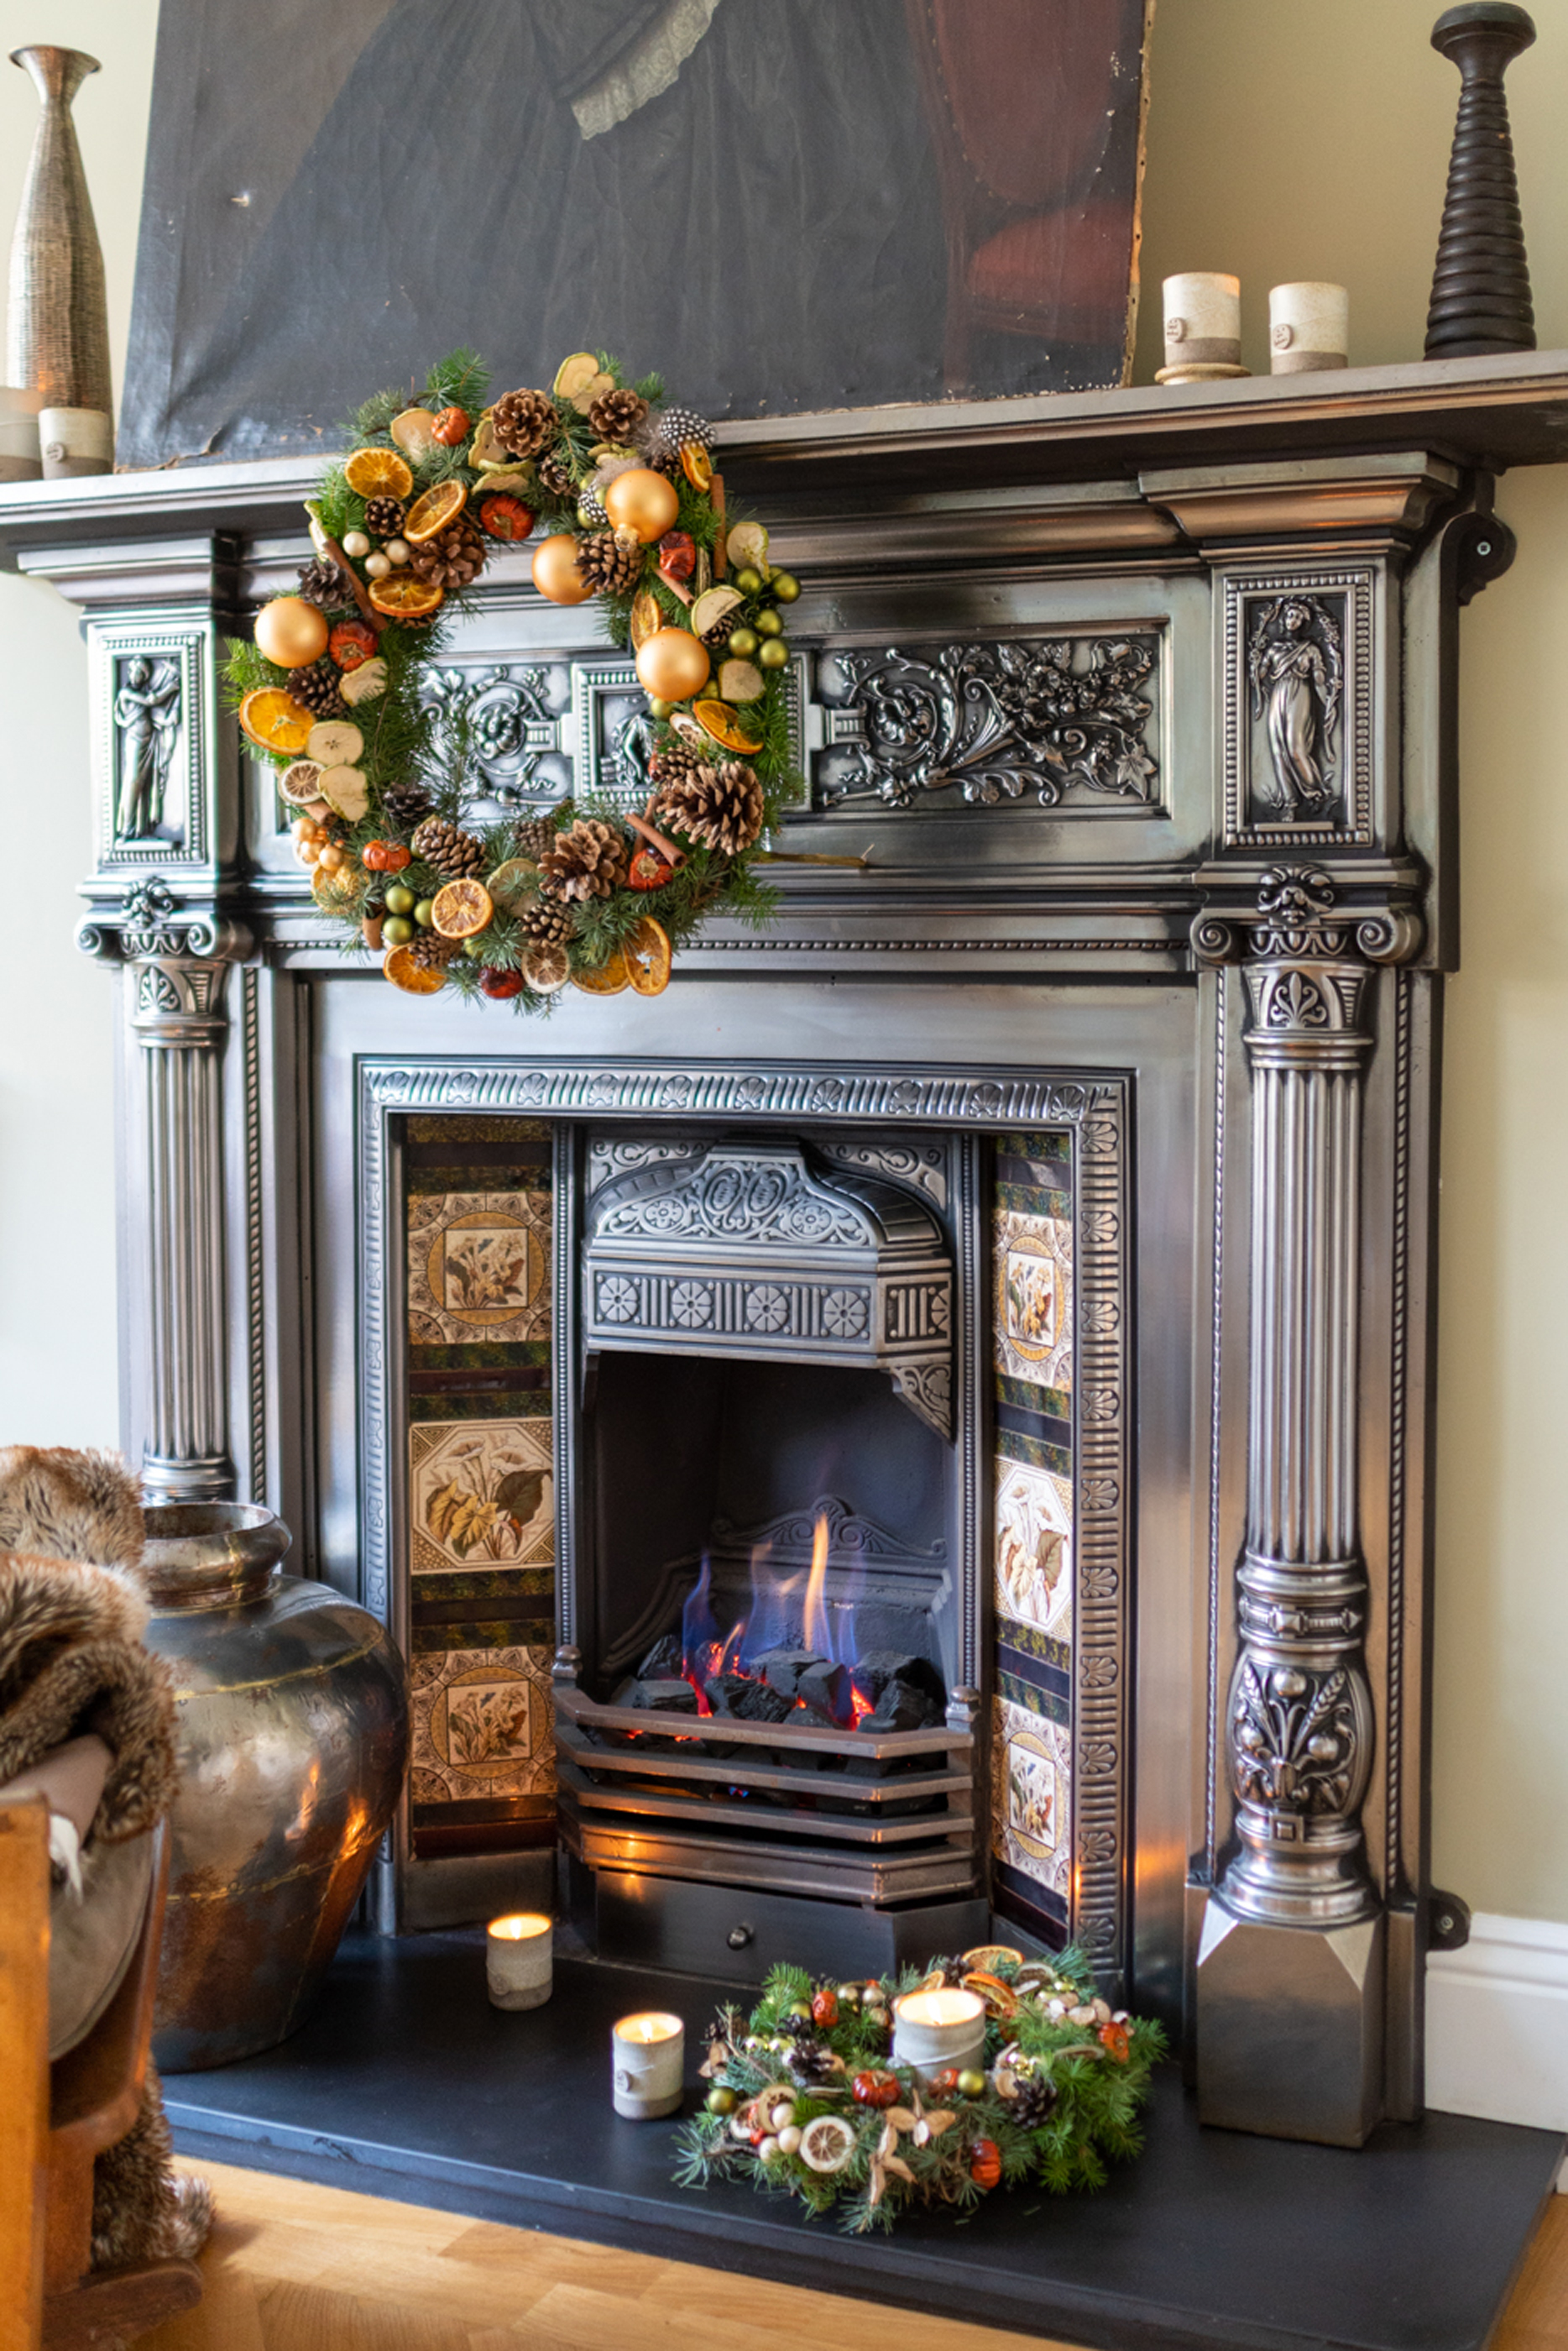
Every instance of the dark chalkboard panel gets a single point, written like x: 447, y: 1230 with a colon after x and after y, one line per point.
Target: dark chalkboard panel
x: 783, y: 205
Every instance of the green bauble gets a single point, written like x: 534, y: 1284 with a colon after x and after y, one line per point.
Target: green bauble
x: 400, y: 898
x: 722, y: 2101
x: 743, y: 643
x: 774, y: 654
x: 785, y: 586
x: 424, y: 913
x: 769, y: 623
x: 749, y: 583
x: 397, y: 930
x: 659, y: 708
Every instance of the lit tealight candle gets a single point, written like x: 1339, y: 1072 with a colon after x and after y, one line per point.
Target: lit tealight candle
x: 936, y: 2029
x: 1202, y: 328
x: 1309, y: 328
x: 649, y: 2056
x: 518, y: 1960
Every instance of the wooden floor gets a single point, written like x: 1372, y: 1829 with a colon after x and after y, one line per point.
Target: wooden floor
x: 294, y: 2267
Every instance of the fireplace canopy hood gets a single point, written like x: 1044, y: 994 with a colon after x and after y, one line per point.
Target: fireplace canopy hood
x: 744, y: 1249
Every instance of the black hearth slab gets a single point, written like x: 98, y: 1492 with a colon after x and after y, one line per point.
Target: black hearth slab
x: 406, y: 2083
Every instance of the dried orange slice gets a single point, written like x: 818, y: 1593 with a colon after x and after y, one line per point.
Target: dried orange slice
x: 460, y: 910
x: 271, y: 717
x: 378, y: 474
x: 646, y: 618
x: 609, y: 980
x: 991, y: 1956
x: 999, y: 1999
x: 717, y: 720
x: 397, y: 964
x: 403, y: 596
x: 433, y: 511
x: 648, y: 956
x: 697, y: 465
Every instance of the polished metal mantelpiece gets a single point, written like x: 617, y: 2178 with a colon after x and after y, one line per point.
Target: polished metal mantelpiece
x: 1138, y: 708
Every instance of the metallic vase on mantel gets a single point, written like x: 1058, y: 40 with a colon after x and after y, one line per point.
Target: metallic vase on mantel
x: 56, y: 326
x: 293, y: 1733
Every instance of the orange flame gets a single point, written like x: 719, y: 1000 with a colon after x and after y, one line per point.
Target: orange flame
x: 814, y: 1626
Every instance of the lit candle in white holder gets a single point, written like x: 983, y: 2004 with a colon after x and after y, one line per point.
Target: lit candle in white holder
x: 649, y: 2056
x: 519, y: 1959
x: 936, y: 2029
x: 1309, y: 328
x: 1202, y: 328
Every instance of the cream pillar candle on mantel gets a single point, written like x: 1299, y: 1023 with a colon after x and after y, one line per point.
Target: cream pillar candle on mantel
x: 519, y: 1959
x: 1309, y: 328
x: 932, y: 2030
x: 1202, y: 328
x: 650, y: 2058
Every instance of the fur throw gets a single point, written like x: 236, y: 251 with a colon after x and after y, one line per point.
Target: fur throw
x: 72, y: 1613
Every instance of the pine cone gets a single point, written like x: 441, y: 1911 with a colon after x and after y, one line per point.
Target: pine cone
x: 721, y: 807
x: 430, y: 951
x: 674, y: 764
x: 533, y: 835
x: 524, y: 423
x: 316, y: 687
x: 455, y: 558
x: 546, y: 921
x: 326, y: 585
x: 612, y: 566
x: 557, y: 478
x: 403, y: 806
x: 808, y: 2062
x: 588, y: 861
x: 453, y: 853
x: 384, y: 517
x: 618, y: 417
x: 1036, y: 2101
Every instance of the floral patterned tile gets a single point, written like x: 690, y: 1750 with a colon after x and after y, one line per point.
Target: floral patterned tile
x: 1032, y: 1257
x: 1031, y: 1795
x: 478, y: 1267
x: 482, y: 1726
x: 482, y: 1493
x: 1033, y: 1548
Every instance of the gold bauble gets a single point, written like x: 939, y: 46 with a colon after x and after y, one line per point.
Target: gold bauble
x: 643, y: 501
x: 555, y: 572
x: 291, y: 633
x: 672, y: 664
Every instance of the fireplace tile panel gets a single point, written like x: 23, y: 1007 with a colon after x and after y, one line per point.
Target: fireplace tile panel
x: 482, y: 1726
x: 481, y: 1479
x: 1032, y: 1325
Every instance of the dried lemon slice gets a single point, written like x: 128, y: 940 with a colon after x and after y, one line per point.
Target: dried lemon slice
x: 433, y: 511
x: 648, y: 956
x: 460, y: 910
x: 378, y: 474
x: 515, y: 884
x: 827, y: 2143
x: 547, y: 969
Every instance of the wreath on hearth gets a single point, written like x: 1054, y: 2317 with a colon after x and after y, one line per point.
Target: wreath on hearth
x: 618, y: 492
x: 809, y: 2097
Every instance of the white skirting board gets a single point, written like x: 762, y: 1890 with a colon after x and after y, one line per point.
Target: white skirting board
x: 1497, y: 2024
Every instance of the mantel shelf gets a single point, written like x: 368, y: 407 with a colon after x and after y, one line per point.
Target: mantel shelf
x: 1490, y: 412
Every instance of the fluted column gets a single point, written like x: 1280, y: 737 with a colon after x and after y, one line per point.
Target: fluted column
x: 1290, y: 1963
x: 180, y: 1022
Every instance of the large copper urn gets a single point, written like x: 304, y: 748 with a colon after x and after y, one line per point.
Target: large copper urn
x: 293, y: 1733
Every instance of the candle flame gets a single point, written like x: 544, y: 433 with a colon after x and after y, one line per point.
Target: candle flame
x: 951, y: 2007
x: 521, y: 1926
x: 650, y: 2027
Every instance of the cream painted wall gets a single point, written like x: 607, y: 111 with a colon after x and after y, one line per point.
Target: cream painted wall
x: 1285, y: 140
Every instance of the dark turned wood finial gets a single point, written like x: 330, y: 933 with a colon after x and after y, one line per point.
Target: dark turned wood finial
x: 1480, y: 286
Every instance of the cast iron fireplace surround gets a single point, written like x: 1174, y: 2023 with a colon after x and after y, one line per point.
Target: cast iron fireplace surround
x: 1141, y: 709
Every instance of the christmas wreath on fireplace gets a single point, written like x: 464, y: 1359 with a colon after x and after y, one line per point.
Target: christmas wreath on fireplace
x: 809, y: 2097
x: 620, y: 492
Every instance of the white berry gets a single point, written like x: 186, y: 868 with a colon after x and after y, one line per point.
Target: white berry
x: 397, y: 548
x: 355, y: 543
x: 378, y: 565
x: 768, y: 2149
x: 789, y: 2139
